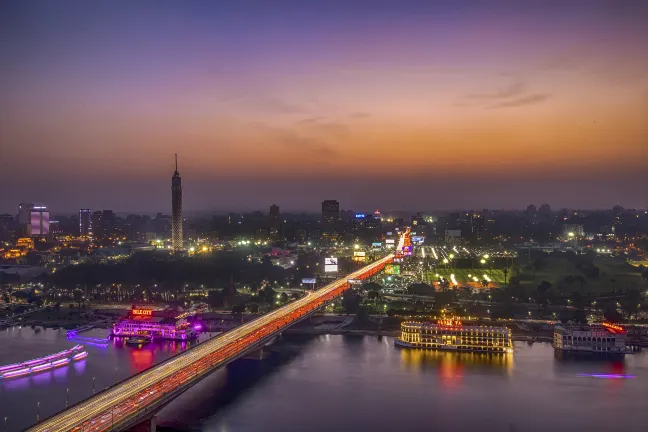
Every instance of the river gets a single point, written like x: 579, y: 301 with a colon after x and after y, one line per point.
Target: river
x: 356, y: 383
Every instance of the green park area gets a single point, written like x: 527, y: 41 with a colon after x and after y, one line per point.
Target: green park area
x: 578, y: 274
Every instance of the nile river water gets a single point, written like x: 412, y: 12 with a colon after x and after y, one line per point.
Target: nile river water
x: 354, y: 383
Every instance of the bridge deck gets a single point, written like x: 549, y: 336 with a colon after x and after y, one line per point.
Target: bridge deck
x: 116, y: 407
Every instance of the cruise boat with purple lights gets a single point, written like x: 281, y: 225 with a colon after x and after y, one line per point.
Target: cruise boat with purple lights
x: 43, y: 363
x: 141, y: 322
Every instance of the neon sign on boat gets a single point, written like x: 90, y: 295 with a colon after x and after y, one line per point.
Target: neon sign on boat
x: 613, y: 327
x: 142, y: 312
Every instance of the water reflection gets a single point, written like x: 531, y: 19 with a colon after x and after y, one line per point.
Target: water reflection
x: 451, y: 366
x: 141, y: 358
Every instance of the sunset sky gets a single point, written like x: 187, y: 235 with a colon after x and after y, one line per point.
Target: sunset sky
x: 416, y: 105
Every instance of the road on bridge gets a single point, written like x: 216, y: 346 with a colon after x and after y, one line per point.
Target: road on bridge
x: 124, y: 404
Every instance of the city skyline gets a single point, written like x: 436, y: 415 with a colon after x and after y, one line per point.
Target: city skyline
x: 401, y: 105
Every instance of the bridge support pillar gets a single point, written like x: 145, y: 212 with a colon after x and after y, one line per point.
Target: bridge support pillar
x: 148, y: 425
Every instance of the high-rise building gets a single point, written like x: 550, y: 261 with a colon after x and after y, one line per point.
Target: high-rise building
x: 108, y: 223
x: 330, y: 211
x: 275, y: 220
x: 6, y: 222
x: 24, y: 219
x: 97, y: 224
x: 85, y: 222
x: 39, y: 221
x: 176, y: 208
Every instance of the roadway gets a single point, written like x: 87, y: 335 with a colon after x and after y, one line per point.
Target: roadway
x: 118, y: 406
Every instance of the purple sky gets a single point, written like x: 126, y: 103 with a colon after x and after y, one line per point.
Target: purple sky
x: 379, y: 104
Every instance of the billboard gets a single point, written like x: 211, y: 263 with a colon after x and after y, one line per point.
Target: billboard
x: 330, y: 265
x: 376, y: 245
x: 354, y: 281
x: 359, y: 254
x: 392, y: 269
x: 309, y: 280
x: 360, y: 215
x: 418, y: 240
x: 390, y: 241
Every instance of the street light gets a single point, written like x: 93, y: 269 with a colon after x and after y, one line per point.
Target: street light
x: 93, y: 385
x: 67, y: 397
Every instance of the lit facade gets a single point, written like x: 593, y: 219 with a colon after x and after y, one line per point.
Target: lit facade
x: 39, y: 221
x: 452, y: 335
x: 140, y: 322
x: 85, y: 222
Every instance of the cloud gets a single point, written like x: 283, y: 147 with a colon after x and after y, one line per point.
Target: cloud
x: 513, y: 95
x: 530, y: 99
x: 323, y: 126
x: 296, y: 141
x: 514, y: 89
x: 306, y: 144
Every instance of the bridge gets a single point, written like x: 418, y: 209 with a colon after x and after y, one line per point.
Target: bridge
x: 134, y: 402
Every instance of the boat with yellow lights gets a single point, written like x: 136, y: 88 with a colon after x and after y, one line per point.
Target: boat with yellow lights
x: 605, y: 339
x: 452, y: 335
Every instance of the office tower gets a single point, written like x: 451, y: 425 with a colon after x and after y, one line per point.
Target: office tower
x: 6, y: 225
x: 24, y: 219
x: 108, y: 223
x: 39, y: 221
x: 97, y: 224
x: 176, y: 208
x: 330, y: 211
x: 85, y: 222
x: 275, y: 220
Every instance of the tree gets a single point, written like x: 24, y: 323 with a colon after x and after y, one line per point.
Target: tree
x: 371, y: 286
x: 505, y: 272
x: 214, y: 298
x: 484, y: 283
x: 78, y: 297
x: 421, y: 289
x: 630, y: 302
x: 351, y: 302
x: 579, y: 316
x: 373, y: 295
x: 581, y: 281
x: 238, y: 309
x: 611, y: 314
x: 544, y: 286
x: 283, y: 297
x: 253, y: 308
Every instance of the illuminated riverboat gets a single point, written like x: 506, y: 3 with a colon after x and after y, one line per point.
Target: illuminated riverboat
x: 141, y: 322
x: 452, y: 335
x: 603, y: 339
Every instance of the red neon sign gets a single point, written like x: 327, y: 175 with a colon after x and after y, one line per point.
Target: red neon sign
x: 449, y: 323
x: 142, y: 312
x: 613, y: 327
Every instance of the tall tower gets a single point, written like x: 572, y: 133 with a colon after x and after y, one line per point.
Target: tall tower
x: 176, y: 208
